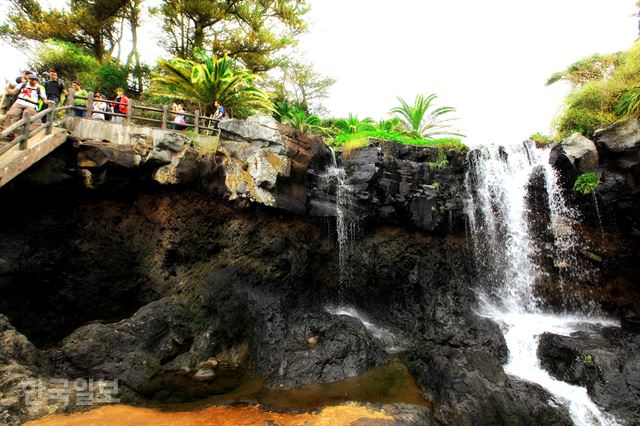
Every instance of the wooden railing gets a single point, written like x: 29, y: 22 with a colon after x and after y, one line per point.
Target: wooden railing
x: 162, y: 115
x: 24, y: 125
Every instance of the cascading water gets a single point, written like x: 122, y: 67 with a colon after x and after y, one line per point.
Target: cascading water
x: 498, y: 210
x: 347, y: 224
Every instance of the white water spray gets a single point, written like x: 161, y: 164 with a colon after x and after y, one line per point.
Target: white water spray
x: 497, y: 208
x: 387, y: 338
x: 347, y: 224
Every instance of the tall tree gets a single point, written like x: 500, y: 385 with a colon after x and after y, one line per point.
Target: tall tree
x: 86, y: 23
x: 301, y: 86
x: 206, y: 79
x: 132, y: 13
x: 250, y: 31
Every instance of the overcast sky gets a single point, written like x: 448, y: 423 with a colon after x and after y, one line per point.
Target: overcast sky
x: 489, y: 59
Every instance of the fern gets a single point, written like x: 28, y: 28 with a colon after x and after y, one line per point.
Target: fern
x: 586, y: 183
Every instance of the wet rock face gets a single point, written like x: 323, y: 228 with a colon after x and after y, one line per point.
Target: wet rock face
x: 62, y: 265
x: 20, y: 361
x: 605, y: 361
x: 403, y: 184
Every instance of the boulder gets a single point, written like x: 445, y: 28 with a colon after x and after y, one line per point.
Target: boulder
x: 265, y: 167
x: 468, y: 386
x: 582, y: 152
x: 172, y: 141
x: 97, y: 154
x: 262, y: 129
x: 21, y: 366
x: 158, y: 157
x: 185, y: 168
x: 604, y: 360
x: 620, y: 136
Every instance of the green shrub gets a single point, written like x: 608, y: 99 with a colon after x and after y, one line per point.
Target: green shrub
x: 361, y: 139
x: 541, y: 139
x: 604, y: 97
x: 586, y: 183
x: 628, y: 103
x: 583, y: 121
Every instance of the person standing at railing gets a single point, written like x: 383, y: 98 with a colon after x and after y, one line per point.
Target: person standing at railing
x: 99, y: 105
x: 54, y: 88
x: 218, y: 113
x: 118, y: 108
x: 26, y: 104
x: 80, y: 104
x: 179, y: 119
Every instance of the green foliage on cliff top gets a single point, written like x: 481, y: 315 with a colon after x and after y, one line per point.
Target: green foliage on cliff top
x: 606, y: 88
x: 349, y: 141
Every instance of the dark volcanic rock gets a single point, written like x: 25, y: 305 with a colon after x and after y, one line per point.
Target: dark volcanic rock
x: 468, y: 386
x: 20, y: 364
x: 279, y: 333
x: 395, y: 183
x: 604, y: 360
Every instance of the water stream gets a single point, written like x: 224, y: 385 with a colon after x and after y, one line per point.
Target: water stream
x: 497, y: 206
x: 347, y: 223
x: 390, y: 341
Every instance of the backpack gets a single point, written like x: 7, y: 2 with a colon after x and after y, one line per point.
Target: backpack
x: 39, y: 91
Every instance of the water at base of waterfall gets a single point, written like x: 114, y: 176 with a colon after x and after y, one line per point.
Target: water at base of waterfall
x: 497, y: 207
x: 522, y: 331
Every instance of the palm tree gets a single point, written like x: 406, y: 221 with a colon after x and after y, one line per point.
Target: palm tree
x: 392, y: 125
x: 423, y: 123
x: 353, y: 125
x: 303, y: 122
x: 209, y: 79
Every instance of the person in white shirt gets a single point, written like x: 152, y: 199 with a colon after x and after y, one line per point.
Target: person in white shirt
x: 29, y: 96
x: 99, y: 105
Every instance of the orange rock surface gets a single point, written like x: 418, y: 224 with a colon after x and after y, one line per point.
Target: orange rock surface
x: 124, y: 415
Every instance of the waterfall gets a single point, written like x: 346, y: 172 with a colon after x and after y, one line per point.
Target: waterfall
x: 499, y: 211
x: 347, y: 221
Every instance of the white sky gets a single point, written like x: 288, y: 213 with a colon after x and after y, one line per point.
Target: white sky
x: 489, y: 59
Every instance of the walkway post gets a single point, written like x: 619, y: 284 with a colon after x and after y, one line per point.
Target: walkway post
x: 196, y: 119
x: 51, y: 114
x: 90, y: 106
x: 165, y: 113
x: 24, y: 137
x: 129, y: 111
x: 71, y: 101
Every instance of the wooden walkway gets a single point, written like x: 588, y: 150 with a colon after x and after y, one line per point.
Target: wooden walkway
x: 31, y: 143
x: 19, y: 158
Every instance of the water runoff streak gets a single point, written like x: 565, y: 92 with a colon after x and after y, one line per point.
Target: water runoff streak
x: 347, y: 223
x: 497, y: 207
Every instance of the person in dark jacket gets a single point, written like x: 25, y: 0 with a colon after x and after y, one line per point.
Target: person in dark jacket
x: 54, y: 87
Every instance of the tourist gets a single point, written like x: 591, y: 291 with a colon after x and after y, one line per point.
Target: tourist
x: 218, y: 113
x: 100, y: 105
x: 54, y: 88
x: 80, y: 104
x: 121, y: 106
x: 30, y: 94
x: 7, y: 98
x: 179, y: 119
x: 24, y: 77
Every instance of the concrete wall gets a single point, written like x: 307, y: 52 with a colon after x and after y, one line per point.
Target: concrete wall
x: 118, y: 133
